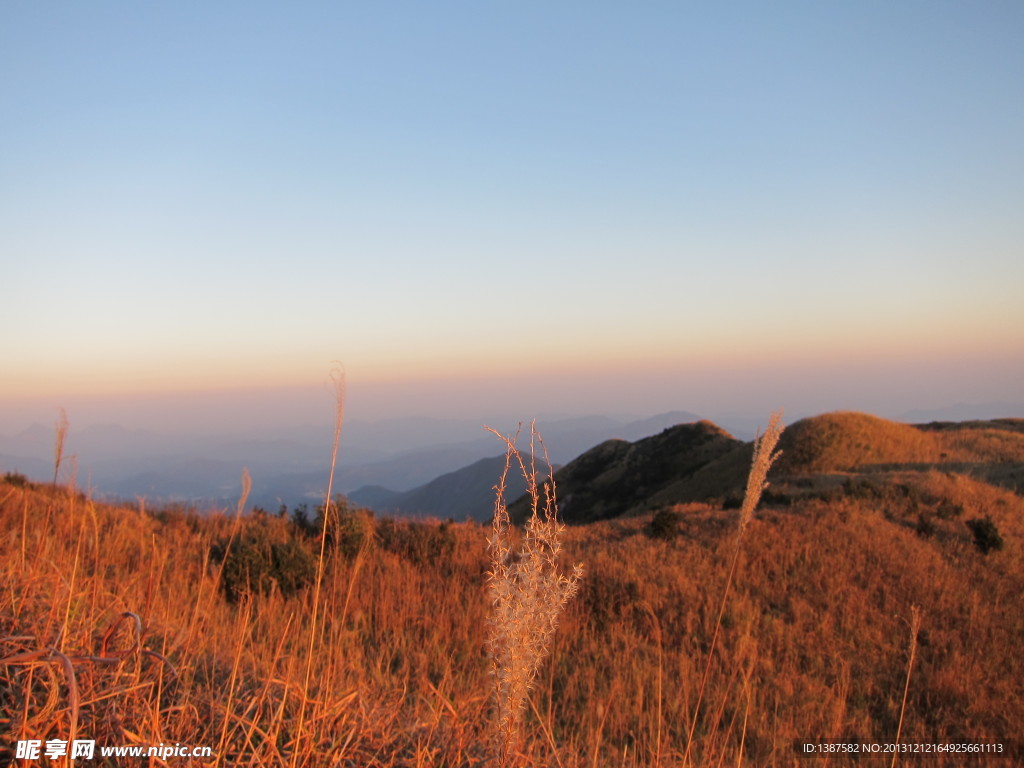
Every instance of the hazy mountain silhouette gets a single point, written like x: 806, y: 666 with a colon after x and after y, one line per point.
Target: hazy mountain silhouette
x: 467, y: 493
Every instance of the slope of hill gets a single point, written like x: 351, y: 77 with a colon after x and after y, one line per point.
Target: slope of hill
x: 858, y: 444
x: 1007, y: 424
x: 618, y: 477
x: 847, y: 441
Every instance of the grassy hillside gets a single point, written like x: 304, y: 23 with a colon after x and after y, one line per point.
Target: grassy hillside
x: 847, y: 441
x: 130, y: 626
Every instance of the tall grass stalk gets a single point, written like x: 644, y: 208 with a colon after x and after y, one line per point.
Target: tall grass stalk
x: 915, y: 627
x: 338, y: 382
x: 58, y: 446
x: 527, y: 590
x: 763, y: 458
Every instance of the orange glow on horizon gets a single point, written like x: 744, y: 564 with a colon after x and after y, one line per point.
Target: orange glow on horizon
x: 725, y: 350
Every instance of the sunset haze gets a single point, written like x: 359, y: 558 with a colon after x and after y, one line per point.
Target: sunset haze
x: 542, y: 208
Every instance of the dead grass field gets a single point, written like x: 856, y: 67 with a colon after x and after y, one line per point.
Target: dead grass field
x: 813, y: 642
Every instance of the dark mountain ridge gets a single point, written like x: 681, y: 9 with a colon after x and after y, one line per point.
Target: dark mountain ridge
x: 618, y: 478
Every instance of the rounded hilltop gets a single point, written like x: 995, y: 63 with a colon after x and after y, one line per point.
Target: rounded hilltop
x: 848, y: 441
x: 844, y: 441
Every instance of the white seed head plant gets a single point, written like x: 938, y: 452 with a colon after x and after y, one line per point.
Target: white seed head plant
x: 527, y: 589
x: 764, y: 456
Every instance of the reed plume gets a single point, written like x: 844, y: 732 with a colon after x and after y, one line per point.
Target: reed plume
x: 757, y: 481
x: 527, y: 590
x: 58, y: 447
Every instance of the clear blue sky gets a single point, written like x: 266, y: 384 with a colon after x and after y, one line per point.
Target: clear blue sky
x: 567, y: 206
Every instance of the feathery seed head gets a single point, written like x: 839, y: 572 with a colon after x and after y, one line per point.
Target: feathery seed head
x: 528, y: 591
x: 763, y: 459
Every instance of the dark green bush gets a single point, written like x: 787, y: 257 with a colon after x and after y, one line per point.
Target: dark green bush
x: 16, y: 479
x: 421, y: 543
x: 986, y: 535
x: 348, y: 529
x: 925, y: 525
x: 257, y: 562
x: 300, y: 520
x: 770, y: 498
x: 664, y: 525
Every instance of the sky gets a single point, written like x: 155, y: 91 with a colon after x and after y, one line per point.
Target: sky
x: 535, y: 207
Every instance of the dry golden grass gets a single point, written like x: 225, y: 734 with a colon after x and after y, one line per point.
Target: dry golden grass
x: 234, y: 675
x: 849, y: 441
x: 811, y: 642
x: 846, y: 441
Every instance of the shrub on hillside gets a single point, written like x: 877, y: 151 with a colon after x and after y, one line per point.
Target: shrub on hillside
x: 421, y: 543
x: 348, y: 529
x: 257, y: 562
x: 733, y: 501
x: 986, y: 535
x: 16, y: 479
x: 664, y: 525
x: 300, y: 520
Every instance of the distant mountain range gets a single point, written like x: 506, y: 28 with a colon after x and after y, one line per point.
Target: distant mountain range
x: 289, y: 466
